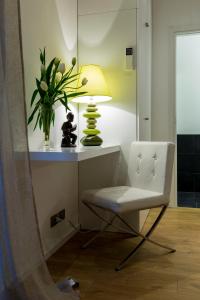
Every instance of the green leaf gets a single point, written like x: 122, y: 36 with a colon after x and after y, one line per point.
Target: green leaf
x: 49, y: 70
x: 38, y: 116
x: 41, y: 92
x: 53, y: 117
x: 64, y: 104
x: 66, y: 99
x: 37, y: 83
x: 57, y: 99
x: 66, y: 84
x: 40, y: 122
x: 67, y: 77
x: 64, y: 80
x: 34, y: 96
x: 69, y: 72
x: 76, y: 94
x: 70, y: 77
x: 70, y: 81
x: 44, y: 55
x: 54, y: 76
x: 34, y: 111
x: 47, y: 100
x: 41, y: 56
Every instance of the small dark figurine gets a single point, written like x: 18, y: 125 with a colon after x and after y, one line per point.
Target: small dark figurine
x: 69, y: 138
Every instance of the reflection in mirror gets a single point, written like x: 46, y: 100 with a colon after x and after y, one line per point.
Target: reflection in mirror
x: 105, y: 30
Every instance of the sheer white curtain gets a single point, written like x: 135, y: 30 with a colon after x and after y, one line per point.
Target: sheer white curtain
x: 23, y: 271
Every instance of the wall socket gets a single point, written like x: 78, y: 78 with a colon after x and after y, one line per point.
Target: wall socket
x: 59, y: 217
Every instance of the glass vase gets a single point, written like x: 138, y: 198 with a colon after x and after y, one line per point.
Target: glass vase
x: 46, y: 143
x: 47, y: 117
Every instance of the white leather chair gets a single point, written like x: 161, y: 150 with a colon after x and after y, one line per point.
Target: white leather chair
x: 150, y: 174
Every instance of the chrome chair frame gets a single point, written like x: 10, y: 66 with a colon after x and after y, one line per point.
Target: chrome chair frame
x: 134, y: 232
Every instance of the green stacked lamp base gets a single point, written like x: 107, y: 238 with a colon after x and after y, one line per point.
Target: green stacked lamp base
x: 91, y: 138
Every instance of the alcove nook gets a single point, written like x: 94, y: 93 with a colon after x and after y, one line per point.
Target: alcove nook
x: 96, y: 32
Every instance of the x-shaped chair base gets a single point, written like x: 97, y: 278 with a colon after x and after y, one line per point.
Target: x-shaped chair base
x: 133, y: 231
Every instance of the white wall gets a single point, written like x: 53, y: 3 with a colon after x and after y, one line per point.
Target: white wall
x: 187, y: 84
x: 93, y: 7
x: 105, y: 29
x: 144, y: 76
x: 51, y: 24
x: 55, y: 188
x: 168, y: 16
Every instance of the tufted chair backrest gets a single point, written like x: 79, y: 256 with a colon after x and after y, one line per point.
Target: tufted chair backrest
x: 150, y: 166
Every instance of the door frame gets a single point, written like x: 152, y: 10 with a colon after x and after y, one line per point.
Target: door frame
x: 174, y: 31
x: 144, y: 69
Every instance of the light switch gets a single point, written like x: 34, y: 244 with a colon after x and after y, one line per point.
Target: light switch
x: 130, y: 60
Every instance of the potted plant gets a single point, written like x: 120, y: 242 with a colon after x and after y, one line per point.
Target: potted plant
x: 56, y: 84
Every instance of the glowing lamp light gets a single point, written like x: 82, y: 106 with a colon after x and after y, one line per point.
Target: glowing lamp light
x: 97, y: 91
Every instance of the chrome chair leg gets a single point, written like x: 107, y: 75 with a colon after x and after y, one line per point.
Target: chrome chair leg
x: 144, y: 238
x: 108, y: 224
x: 133, y: 232
x: 103, y: 219
x: 84, y: 246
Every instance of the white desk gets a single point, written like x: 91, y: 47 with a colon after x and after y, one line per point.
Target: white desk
x: 72, y: 154
x: 59, y: 176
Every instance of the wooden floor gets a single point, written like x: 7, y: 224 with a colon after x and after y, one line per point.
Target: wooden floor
x: 152, y: 274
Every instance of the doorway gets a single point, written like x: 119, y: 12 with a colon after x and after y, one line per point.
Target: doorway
x: 188, y: 119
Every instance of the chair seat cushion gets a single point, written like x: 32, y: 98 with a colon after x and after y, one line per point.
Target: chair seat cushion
x: 122, y: 199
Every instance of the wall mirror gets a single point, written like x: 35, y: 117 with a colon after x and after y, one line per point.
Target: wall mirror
x: 96, y: 33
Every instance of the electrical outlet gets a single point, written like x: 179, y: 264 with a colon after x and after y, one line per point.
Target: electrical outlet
x: 59, y: 217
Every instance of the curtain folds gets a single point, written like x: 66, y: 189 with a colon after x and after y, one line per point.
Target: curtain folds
x: 23, y: 271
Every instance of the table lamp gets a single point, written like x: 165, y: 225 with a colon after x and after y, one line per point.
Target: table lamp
x: 97, y: 91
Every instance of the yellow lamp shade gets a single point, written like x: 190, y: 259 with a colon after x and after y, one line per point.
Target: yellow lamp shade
x: 96, y: 87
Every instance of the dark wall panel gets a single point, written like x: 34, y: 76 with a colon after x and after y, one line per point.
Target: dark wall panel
x: 188, y: 170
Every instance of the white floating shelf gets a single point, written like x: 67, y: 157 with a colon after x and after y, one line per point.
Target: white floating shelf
x: 73, y: 154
